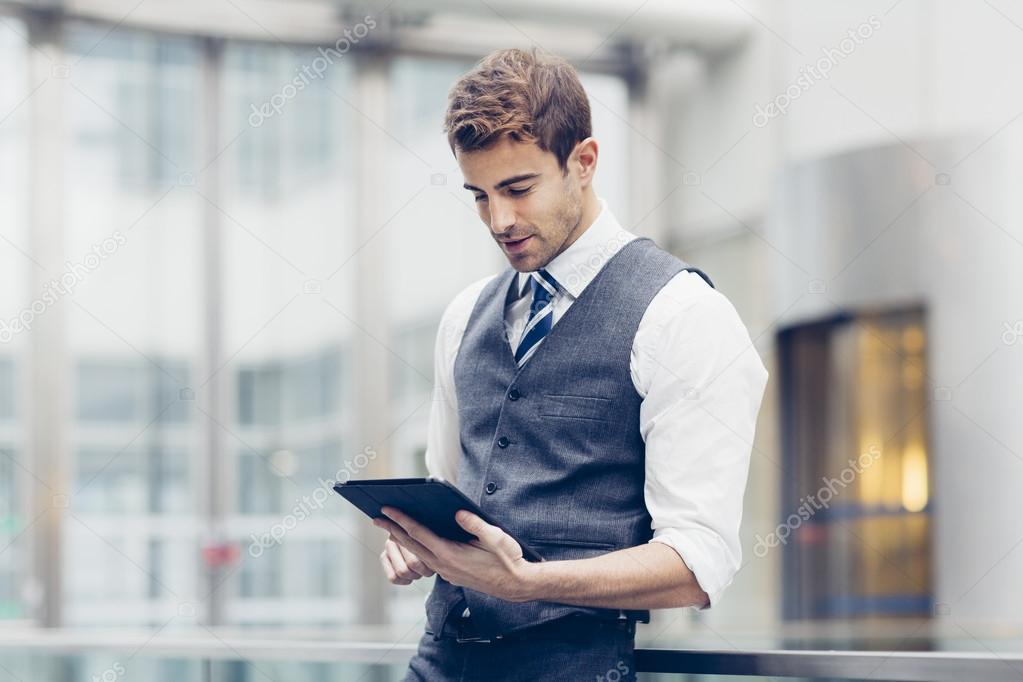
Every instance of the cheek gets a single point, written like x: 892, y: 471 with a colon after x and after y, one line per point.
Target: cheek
x: 543, y: 210
x: 556, y: 215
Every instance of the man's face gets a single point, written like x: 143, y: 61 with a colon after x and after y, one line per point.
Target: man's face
x: 532, y: 208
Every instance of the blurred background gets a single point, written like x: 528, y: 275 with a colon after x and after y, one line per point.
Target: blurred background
x: 228, y: 229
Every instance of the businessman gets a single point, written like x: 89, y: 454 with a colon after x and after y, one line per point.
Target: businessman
x: 598, y: 397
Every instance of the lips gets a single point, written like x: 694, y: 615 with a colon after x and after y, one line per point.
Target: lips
x: 517, y: 245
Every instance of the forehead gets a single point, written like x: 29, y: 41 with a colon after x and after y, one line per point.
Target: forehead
x: 503, y: 159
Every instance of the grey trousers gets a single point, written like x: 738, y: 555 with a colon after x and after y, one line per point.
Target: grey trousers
x: 607, y: 657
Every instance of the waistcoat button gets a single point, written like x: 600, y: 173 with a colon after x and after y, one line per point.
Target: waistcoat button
x: 491, y: 487
x: 502, y: 442
x: 514, y: 394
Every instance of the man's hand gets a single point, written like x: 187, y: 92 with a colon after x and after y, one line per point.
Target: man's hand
x: 491, y: 564
x: 647, y: 576
x: 401, y: 566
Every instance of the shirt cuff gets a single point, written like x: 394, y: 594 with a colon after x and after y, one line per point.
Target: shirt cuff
x: 704, y: 561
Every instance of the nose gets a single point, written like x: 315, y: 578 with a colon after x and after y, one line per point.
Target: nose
x: 502, y: 216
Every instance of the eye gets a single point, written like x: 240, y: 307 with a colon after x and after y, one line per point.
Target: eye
x: 481, y: 197
x: 518, y: 192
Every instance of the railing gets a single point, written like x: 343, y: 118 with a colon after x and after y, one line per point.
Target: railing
x: 845, y: 665
x: 850, y: 665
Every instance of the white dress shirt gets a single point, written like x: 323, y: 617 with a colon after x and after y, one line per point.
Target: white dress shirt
x: 701, y: 383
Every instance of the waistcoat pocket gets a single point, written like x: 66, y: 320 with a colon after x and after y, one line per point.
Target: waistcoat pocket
x: 575, y: 407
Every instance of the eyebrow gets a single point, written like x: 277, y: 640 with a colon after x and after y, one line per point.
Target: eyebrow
x: 507, y: 181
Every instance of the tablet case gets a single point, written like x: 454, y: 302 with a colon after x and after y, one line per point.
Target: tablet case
x: 430, y: 501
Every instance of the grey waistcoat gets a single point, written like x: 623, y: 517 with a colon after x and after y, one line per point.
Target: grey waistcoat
x: 553, y: 450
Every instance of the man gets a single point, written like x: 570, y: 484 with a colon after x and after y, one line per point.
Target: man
x: 598, y: 397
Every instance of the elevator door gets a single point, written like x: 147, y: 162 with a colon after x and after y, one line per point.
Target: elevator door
x: 855, y: 512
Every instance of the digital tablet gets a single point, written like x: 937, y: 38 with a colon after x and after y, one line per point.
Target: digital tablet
x: 430, y: 501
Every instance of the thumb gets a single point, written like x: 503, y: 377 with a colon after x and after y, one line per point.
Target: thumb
x: 488, y: 535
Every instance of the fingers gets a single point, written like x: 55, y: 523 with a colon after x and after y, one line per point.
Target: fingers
x: 387, y: 559
x: 413, y: 535
x: 490, y: 538
x: 415, y: 564
x: 413, y: 528
x: 401, y: 566
x: 398, y: 563
x: 399, y: 535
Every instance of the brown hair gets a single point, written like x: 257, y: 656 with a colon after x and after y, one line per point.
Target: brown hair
x: 529, y: 96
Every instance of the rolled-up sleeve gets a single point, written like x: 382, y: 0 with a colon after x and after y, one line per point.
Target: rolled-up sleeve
x: 702, y: 383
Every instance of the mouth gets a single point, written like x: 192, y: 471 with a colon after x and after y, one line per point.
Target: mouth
x: 517, y: 245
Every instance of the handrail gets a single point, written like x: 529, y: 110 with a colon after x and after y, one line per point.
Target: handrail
x: 911, y: 666
x: 850, y: 665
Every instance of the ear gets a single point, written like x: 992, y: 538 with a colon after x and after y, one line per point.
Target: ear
x: 584, y: 159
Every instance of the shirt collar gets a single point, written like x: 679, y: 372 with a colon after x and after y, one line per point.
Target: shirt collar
x: 575, y: 267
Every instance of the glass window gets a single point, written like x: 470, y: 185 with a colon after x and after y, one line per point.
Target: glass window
x: 259, y: 485
x: 11, y: 522
x: 14, y: 276
x: 311, y: 386
x: 133, y: 231
x: 289, y: 199
x: 109, y: 392
x: 111, y: 482
x: 7, y: 389
x: 169, y: 481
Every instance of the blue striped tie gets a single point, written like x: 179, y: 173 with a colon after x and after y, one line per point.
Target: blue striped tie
x: 541, y: 315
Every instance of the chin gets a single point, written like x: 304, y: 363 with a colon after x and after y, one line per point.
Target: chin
x: 520, y: 265
x: 526, y: 263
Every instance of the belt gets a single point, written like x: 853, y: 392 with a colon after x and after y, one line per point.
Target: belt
x: 576, y: 626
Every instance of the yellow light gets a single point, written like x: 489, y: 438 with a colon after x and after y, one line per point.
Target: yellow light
x: 914, y: 478
x: 871, y: 478
x: 913, y: 339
